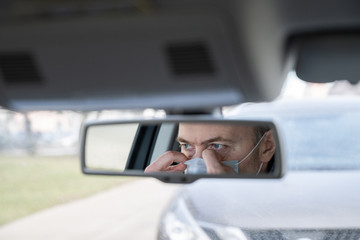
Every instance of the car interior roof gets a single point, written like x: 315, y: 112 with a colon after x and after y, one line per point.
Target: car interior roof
x: 166, y: 54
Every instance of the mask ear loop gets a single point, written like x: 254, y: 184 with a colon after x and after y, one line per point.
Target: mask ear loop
x: 252, y: 150
x: 262, y: 163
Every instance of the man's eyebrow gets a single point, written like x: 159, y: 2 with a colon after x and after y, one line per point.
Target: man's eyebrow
x: 216, y: 139
x: 180, y: 139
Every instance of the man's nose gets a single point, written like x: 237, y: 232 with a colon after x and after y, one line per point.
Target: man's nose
x: 198, y: 152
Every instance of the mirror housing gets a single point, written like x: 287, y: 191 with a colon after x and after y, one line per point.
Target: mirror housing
x: 127, y: 148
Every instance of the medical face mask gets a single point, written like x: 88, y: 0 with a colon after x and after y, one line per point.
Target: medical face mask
x: 195, y: 166
x: 198, y: 166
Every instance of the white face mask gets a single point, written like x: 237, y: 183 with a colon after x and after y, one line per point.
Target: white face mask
x: 198, y: 166
x: 195, y: 166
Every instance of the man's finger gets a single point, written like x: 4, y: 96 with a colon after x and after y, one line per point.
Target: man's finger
x: 163, y: 163
x: 213, y: 163
x: 177, y: 168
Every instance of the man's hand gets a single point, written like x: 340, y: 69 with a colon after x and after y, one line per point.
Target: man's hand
x: 213, y: 163
x: 164, y: 162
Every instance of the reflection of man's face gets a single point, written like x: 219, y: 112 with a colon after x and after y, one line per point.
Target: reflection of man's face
x: 230, y: 142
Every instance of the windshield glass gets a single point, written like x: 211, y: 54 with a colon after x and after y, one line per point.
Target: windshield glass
x: 319, y: 141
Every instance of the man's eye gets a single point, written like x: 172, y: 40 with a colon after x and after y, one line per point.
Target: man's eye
x: 185, y: 146
x: 217, y: 146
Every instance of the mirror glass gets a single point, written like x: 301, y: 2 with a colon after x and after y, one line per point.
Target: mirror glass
x: 188, y: 148
x: 108, y: 146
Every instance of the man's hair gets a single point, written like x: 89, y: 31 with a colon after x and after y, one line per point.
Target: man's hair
x: 259, y: 132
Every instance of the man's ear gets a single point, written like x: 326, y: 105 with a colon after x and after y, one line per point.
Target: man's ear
x: 267, y: 147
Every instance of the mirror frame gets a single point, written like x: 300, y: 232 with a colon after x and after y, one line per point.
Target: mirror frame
x: 179, y: 177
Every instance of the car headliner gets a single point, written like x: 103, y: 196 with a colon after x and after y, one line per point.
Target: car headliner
x: 91, y: 57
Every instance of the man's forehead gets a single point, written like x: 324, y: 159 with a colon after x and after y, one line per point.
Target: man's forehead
x: 202, y: 131
x: 214, y: 126
x: 185, y: 127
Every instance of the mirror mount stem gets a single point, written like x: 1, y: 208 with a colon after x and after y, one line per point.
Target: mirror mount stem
x: 213, y: 112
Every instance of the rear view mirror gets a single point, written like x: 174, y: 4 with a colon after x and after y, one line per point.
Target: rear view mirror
x: 182, y: 151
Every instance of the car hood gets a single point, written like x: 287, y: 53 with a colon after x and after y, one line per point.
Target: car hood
x: 302, y: 200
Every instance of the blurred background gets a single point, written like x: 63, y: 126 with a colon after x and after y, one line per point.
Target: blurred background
x: 39, y: 162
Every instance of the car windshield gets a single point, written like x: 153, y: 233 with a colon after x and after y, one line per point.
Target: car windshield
x: 319, y: 140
